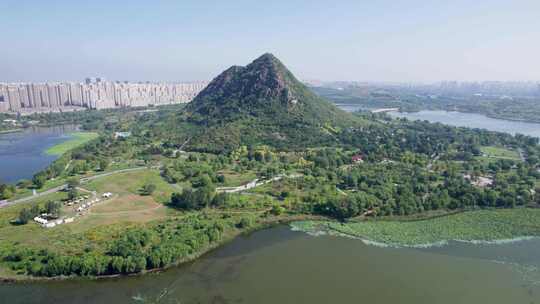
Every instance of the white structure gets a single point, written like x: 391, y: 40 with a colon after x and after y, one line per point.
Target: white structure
x: 107, y: 195
x: 40, y: 220
x: 121, y: 135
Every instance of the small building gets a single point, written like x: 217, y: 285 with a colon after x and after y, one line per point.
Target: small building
x: 49, y: 225
x: 121, y: 135
x: 40, y: 220
x: 10, y: 121
x: 357, y: 159
x: 480, y: 181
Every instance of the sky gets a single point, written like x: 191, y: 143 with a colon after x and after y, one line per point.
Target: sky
x: 397, y: 41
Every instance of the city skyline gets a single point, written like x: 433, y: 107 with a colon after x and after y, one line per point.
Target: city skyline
x: 167, y: 41
x: 93, y: 93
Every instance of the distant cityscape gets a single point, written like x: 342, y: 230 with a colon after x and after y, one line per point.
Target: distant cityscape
x: 488, y: 88
x: 98, y: 93
x: 93, y: 93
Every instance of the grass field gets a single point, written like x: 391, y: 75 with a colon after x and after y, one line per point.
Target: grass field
x: 499, y: 152
x: 130, y: 183
x: 78, y: 139
x: 233, y: 179
x: 30, y: 233
x: 485, y: 225
x: 125, y: 208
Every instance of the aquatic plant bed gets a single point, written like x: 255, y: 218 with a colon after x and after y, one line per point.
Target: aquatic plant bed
x: 473, y: 226
x: 77, y: 139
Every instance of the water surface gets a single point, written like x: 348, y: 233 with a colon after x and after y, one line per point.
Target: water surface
x: 22, y: 154
x: 282, y: 266
x: 472, y: 120
x: 460, y: 119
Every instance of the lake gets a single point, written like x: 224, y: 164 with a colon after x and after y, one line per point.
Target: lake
x: 22, y: 154
x: 460, y: 119
x: 472, y: 120
x: 278, y: 265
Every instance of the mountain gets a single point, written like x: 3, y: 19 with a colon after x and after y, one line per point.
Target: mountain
x: 262, y: 103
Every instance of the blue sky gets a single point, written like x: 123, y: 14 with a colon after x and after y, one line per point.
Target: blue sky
x: 328, y: 40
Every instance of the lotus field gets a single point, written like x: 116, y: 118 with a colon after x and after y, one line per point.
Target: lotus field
x: 484, y: 225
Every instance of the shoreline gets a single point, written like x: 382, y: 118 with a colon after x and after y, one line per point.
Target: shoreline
x: 22, y: 279
x: 11, y: 131
x: 362, y: 107
x: 276, y: 221
x: 477, y: 113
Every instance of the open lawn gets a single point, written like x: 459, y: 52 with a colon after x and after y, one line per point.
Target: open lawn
x: 78, y: 139
x: 125, y: 203
x: 234, y: 179
x: 125, y: 208
x: 29, y: 233
x: 130, y: 183
x: 99, y: 218
x: 500, y: 152
x: 12, y: 212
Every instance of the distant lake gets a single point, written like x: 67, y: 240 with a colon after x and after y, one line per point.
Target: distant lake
x: 22, y: 154
x: 469, y: 120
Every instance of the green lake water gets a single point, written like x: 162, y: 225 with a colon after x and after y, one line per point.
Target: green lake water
x: 278, y: 265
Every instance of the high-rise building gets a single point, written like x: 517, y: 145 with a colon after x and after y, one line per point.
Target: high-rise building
x: 94, y: 93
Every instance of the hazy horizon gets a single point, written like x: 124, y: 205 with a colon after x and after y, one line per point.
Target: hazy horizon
x: 388, y: 41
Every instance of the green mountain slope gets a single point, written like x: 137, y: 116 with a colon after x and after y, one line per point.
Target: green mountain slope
x: 262, y: 103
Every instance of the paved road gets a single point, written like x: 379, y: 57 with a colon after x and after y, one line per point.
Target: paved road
x: 5, y: 203
x: 254, y: 183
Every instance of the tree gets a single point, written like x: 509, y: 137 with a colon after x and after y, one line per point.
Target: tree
x: 220, y: 199
x: 6, y: 191
x: 148, y: 189
x: 277, y: 209
x: 193, y: 199
x: 245, y: 222
x: 52, y: 208
x: 202, y: 181
x: 103, y: 164
x: 24, y: 183
x: 73, y: 183
x: 24, y: 216
x: 39, y: 180
x: 73, y: 193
